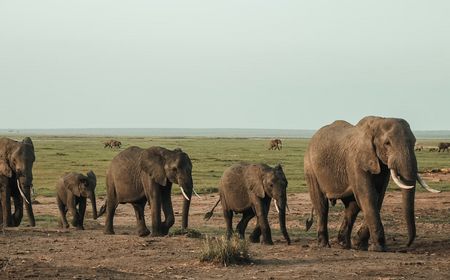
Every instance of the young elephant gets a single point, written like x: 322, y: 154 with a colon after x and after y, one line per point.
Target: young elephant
x: 72, y: 190
x: 249, y: 189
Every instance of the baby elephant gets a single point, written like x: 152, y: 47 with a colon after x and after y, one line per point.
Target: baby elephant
x: 249, y: 189
x: 72, y: 190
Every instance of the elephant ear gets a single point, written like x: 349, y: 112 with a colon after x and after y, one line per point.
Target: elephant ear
x: 92, y: 179
x: 4, y: 169
x: 367, y: 156
x: 255, y: 179
x: 152, y: 162
x: 72, y: 181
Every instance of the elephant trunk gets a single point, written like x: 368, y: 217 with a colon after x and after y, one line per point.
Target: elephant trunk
x: 282, y: 219
x: 24, y: 183
x: 408, y: 206
x: 186, y: 203
x: 94, y: 206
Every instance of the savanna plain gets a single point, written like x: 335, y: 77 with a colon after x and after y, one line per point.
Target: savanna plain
x: 48, y: 252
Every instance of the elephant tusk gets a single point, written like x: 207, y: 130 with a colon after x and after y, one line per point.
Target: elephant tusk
x: 196, y: 193
x: 276, y: 206
x: 398, y: 181
x: 21, y: 191
x: 184, y: 194
x: 425, y: 186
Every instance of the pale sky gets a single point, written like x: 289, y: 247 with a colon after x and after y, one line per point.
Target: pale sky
x: 223, y: 64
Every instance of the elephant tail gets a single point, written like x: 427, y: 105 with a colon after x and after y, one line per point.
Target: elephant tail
x: 309, y: 221
x: 102, y: 209
x: 210, y: 213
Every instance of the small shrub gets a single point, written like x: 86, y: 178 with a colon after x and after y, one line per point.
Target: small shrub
x: 191, y: 233
x: 225, y: 252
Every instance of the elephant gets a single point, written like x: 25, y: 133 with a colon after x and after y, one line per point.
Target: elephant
x: 72, y: 189
x: 115, y: 144
x: 275, y: 144
x: 418, y: 148
x: 354, y: 164
x: 16, y: 180
x: 443, y: 147
x: 139, y: 175
x: 112, y: 144
x: 249, y: 189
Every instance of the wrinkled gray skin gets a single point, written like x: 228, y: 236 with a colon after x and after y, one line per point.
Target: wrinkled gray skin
x: 72, y: 189
x: 139, y: 175
x: 16, y: 165
x: 353, y: 163
x: 249, y: 189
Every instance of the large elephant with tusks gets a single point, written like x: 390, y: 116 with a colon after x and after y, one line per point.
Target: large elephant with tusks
x: 354, y: 163
x: 139, y: 175
x: 16, y: 180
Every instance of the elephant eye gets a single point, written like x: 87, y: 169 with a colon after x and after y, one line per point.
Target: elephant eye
x: 387, y: 143
x: 174, y: 169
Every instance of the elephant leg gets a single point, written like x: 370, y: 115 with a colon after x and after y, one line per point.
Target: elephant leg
x: 256, y: 234
x: 242, y: 225
x: 369, y: 205
x: 111, y: 206
x: 155, y: 200
x: 6, y: 204
x: 62, y: 211
x: 351, y: 212
x: 320, y: 204
x: 81, y: 211
x: 361, y: 240
x: 228, y: 216
x: 18, y: 209
x: 140, y: 219
x: 166, y: 203
x: 262, y: 210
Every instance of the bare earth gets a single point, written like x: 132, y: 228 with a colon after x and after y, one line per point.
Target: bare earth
x: 49, y: 253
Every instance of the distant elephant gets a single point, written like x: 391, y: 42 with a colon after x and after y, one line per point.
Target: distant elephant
x: 138, y: 175
x: 432, y: 149
x: 115, y: 144
x: 107, y: 144
x: 275, y: 144
x: 353, y: 163
x: 249, y: 189
x: 443, y: 147
x: 418, y: 148
x: 16, y: 180
x: 72, y: 189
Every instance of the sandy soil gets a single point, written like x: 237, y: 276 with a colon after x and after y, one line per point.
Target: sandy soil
x: 49, y: 253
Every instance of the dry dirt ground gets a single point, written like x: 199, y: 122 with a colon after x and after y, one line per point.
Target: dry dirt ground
x: 46, y: 252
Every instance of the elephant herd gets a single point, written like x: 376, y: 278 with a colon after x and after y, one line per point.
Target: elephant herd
x: 353, y: 163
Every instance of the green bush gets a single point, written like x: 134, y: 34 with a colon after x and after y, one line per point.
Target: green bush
x: 225, y: 252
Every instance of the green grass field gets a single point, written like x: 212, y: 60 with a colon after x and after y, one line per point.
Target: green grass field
x: 210, y: 156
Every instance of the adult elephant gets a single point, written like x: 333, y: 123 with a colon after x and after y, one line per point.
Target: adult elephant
x: 139, y: 175
x: 16, y: 179
x: 354, y: 163
x: 249, y: 189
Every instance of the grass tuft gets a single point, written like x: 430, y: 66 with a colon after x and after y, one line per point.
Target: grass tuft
x: 225, y: 252
x: 191, y: 233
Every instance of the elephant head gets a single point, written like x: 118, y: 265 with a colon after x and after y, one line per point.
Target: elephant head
x: 272, y: 182
x: 18, y: 164
x: 166, y: 167
x: 83, y: 186
x: 392, y: 146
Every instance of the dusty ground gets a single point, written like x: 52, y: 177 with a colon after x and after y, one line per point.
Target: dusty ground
x: 46, y: 252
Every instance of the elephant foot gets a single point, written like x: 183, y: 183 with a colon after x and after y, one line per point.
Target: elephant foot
x: 323, y: 242
x: 267, y: 242
x: 377, y: 248
x: 344, y: 242
x: 80, y: 227
x: 143, y: 232
x: 359, y: 244
x: 254, y: 239
x: 108, y: 232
